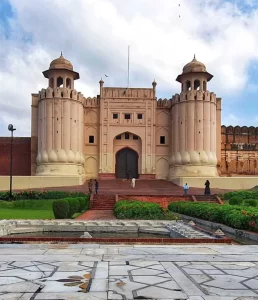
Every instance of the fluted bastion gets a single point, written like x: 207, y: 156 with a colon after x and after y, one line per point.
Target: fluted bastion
x: 60, y: 134
x: 193, y: 134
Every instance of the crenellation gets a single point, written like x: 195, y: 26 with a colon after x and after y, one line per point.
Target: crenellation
x: 191, y: 95
x: 213, y: 97
x: 42, y: 94
x: 80, y: 97
x: 73, y: 95
x: 199, y: 95
x: 164, y: 103
x: 145, y: 93
x: 177, y: 98
x: 91, y: 102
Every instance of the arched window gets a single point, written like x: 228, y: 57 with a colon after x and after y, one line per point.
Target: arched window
x: 197, y: 84
x: 51, y: 82
x: 60, y: 82
x: 204, y: 85
x: 68, y: 83
x: 188, y: 85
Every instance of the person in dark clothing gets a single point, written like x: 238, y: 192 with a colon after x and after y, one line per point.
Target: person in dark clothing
x: 207, y: 190
x: 90, y: 186
x: 96, y: 186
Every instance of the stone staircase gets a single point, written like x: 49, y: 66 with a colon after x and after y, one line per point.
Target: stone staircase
x: 206, y: 198
x: 103, y: 202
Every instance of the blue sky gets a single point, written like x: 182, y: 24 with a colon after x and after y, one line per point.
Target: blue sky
x: 94, y: 35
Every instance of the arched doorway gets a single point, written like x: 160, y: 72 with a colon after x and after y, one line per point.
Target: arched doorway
x: 127, y: 163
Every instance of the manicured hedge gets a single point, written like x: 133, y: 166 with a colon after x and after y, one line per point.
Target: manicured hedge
x: 251, y: 202
x: 138, y: 210
x: 240, y: 217
x: 236, y: 201
x: 246, y: 198
x: 241, y: 195
x: 67, y: 207
x: 25, y: 195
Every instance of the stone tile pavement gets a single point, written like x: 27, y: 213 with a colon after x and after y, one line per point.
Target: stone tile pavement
x: 95, y: 271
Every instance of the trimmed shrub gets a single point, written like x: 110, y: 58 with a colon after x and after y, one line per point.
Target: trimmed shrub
x: 236, y: 200
x: 82, y: 202
x: 60, y: 209
x: 240, y: 217
x: 74, y: 206
x: 25, y: 195
x: 241, y: 194
x: 251, y: 202
x: 137, y: 210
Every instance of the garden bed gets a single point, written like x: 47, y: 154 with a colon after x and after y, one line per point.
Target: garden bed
x: 239, y: 217
x: 42, y: 205
x: 139, y: 210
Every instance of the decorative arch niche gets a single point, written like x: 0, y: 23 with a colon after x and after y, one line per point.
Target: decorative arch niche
x: 60, y: 82
x: 197, y: 84
x: 68, y: 83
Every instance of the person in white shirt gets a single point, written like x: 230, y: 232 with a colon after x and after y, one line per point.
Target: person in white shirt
x: 186, y: 188
x: 133, y: 182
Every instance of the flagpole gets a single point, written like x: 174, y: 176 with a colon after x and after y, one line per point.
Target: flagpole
x: 128, y: 75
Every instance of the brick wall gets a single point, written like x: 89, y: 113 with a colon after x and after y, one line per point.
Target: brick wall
x: 21, y: 156
x: 239, y: 150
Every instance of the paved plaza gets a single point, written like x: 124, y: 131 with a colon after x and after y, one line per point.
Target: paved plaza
x: 94, y: 271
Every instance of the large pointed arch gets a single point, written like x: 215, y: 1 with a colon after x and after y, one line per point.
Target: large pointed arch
x: 127, y: 163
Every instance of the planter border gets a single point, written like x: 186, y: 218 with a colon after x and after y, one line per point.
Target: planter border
x: 213, y: 225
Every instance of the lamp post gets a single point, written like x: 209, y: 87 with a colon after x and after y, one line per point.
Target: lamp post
x: 12, y: 129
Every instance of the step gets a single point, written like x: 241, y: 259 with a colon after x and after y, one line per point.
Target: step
x: 97, y: 205
x: 103, y: 205
x: 107, y: 202
x: 102, y: 209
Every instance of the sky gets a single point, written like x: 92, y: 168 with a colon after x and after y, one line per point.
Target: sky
x: 163, y: 36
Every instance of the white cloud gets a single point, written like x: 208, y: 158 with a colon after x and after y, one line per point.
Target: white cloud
x: 94, y: 35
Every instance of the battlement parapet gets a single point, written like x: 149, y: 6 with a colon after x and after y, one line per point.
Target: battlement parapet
x: 237, y: 130
x: 164, y: 103
x: 115, y: 92
x: 66, y: 93
x: 194, y: 95
x: 91, y: 101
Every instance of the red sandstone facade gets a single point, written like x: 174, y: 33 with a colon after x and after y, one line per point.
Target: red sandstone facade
x: 21, y: 156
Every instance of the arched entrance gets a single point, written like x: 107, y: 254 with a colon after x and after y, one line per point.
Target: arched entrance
x: 127, y: 163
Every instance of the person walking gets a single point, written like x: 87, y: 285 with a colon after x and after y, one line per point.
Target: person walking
x: 207, y: 190
x: 90, y: 186
x: 96, y: 186
x: 133, y: 182
x: 186, y: 188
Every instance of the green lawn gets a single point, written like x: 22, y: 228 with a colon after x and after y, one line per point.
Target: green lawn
x: 7, y: 213
x: 26, y: 209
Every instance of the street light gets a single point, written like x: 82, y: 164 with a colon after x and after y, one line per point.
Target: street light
x: 12, y: 129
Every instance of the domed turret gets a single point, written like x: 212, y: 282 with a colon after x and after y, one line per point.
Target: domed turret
x: 194, y: 66
x: 60, y: 67
x: 61, y: 63
x: 61, y: 73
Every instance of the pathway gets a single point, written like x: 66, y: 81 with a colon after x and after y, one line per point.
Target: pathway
x: 97, y: 215
x: 101, y: 272
x: 143, y: 187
